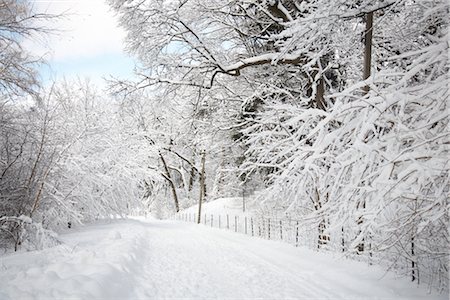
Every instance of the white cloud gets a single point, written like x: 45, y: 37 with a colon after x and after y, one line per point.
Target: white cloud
x: 89, y: 28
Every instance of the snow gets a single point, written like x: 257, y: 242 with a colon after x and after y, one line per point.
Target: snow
x: 272, y: 58
x: 232, y: 206
x: 142, y: 259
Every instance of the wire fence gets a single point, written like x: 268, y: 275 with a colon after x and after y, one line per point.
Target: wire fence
x: 313, y: 235
x: 270, y: 228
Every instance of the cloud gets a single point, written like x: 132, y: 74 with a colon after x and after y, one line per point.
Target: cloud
x: 88, y: 28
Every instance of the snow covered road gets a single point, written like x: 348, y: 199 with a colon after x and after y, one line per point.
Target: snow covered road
x: 132, y: 259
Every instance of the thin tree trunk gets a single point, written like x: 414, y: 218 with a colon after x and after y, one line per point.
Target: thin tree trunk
x: 168, y: 177
x: 191, y: 179
x: 368, y: 49
x: 319, y: 100
x: 323, y: 238
x: 366, y: 74
x: 202, y: 187
x: 413, y: 262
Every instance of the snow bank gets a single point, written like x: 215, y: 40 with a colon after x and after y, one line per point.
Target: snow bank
x: 93, y: 263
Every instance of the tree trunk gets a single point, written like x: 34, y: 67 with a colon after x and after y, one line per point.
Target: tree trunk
x: 191, y: 178
x: 323, y: 237
x: 202, y: 187
x: 168, y: 177
x: 366, y: 74
x: 319, y: 100
x: 413, y: 261
x: 368, y: 49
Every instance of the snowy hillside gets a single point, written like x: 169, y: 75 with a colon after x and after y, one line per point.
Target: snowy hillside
x: 148, y: 259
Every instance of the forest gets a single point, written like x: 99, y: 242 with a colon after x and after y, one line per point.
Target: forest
x: 331, y: 113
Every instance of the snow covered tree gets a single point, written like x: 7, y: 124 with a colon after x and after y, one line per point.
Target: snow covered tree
x: 25, y: 157
x: 348, y: 155
x: 340, y: 108
x: 18, y: 22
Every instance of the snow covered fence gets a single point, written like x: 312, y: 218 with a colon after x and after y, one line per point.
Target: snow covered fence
x: 287, y: 230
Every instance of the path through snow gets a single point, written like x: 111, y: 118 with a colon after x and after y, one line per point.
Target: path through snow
x: 133, y: 259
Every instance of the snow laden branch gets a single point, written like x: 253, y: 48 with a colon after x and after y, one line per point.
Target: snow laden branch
x: 268, y: 58
x: 335, y: 111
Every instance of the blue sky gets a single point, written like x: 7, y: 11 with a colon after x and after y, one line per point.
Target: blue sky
x: 94, y: 67
x: 87, y: 42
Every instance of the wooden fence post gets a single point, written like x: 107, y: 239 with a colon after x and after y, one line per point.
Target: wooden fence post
x: 235, y: 223
x: 268, y: 228
x: 212, y: 221
x: 228, y: 222
x: 296, y: 235
x: 251, y: 224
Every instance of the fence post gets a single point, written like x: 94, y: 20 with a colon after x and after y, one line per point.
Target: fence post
x: 296, y: 235
x: 245, y: 221
x: 235, y: 223
x: 281, y: 230
x: 228, y: 222
x: 212, y: 221
x: 205, y: 219
x: 268, y: 228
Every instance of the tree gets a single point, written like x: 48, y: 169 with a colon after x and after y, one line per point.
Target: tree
x: 18, y: 22
x: 25, y: 157
x: 339, y: 107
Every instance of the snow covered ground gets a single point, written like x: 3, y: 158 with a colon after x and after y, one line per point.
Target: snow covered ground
x: 232, y: 206
x: 143, y: 259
